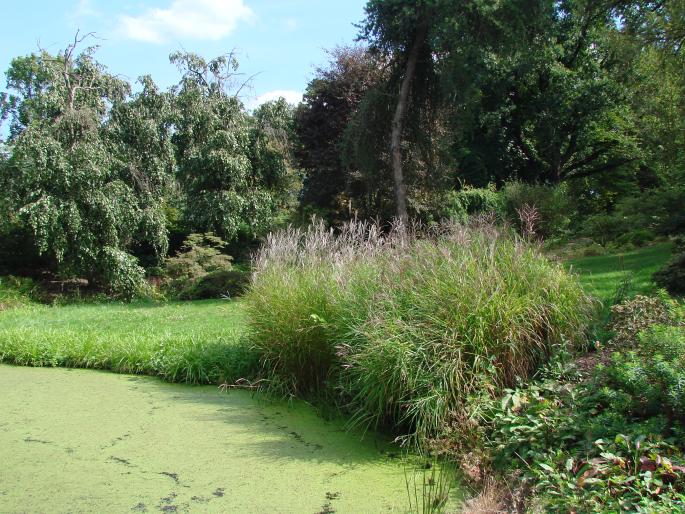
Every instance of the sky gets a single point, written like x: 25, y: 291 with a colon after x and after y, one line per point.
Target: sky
x: 279, y: 40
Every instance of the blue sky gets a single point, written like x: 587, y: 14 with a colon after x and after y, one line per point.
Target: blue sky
x: 279, y: 39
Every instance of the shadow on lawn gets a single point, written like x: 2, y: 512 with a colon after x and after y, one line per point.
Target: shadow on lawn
x: 629, y: 273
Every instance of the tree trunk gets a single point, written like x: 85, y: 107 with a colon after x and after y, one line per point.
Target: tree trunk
x: 398, y: 124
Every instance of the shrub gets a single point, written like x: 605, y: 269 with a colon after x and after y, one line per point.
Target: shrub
x: 603, y: 228
x: 672, y: 276
x: 593, y: 250
x: 469, y: 201
x: 637, y: 237
x: 653, y: 374
x: 217, y: 284
x: 623, y: 474
x: 581, y: 449
x: 403, y: 329
x: 631, y: 317
x: 552, y: 204
x: 15, y: 291
x: 200, y: 254
x: 123, y: 277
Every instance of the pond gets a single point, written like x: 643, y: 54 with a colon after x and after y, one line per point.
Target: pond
x: 91, y: 441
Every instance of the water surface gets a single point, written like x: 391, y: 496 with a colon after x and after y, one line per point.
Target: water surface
x: 91, y: 441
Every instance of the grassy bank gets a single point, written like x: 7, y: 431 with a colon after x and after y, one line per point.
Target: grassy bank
x: 195, y: 342
x: 625, y: 274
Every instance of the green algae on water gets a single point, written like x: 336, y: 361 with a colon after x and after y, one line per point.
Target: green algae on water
x: 90, y: 441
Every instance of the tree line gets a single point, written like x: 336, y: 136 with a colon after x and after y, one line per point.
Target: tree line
x: 583, y: 92
x: 436, y: 98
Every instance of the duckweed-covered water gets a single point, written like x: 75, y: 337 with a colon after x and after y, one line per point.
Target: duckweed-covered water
x: 89, y: 441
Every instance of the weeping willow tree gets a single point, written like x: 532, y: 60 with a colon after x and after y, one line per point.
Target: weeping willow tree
x: 76, y: 177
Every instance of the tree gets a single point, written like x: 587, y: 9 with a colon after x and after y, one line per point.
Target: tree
x: 272, y: 154
x: 138, y: 133
x: 227, y: 189
x: 399, y: 29
x: 80, y: 195
x: 330, y: 101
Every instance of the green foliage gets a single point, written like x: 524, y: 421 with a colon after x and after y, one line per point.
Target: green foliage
x: 197, y: 342
x: 530, y: 91
x: 74, y: 178
x: 403, y: 329
x: 329, y: 103
x: 608, y: 442
x: 652, y: 374
x: 218, y: 284
x: 552, y: 204
x: 120, y: 271
x: 15, y: 292
x: 469, y: 201
x: 230, y: 169
x: 636, y: 219
x: 672, y: 276
x: 631, y: 317
x: 638, y: 237
x: 580, y: 450
x: 622, y: 474
x: 200, y: 254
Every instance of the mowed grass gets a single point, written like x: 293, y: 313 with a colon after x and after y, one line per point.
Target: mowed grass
x: 612, y: 277
x: 194, y: 342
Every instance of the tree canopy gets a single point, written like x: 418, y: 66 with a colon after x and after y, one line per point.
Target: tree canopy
x: 434, y: 99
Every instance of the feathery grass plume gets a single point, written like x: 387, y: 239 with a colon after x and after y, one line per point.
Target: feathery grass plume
x: 404, y: 326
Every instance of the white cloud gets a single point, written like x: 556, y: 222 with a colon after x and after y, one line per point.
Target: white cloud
x: 192, y: 19
x: 83, y: 9
x: 292, y: 97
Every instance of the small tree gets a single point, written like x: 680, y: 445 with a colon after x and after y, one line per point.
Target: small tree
x: 200, y: 254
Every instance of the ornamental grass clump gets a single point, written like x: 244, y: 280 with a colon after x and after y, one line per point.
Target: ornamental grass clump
x: 404, y: 327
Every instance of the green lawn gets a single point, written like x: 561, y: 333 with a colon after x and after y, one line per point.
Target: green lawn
x: 623, y: 274
x: 197, y: 342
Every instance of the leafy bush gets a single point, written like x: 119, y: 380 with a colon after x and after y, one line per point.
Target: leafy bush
x: 653, y: 374
x: 15, y: 291
x: 401, y: 328
x: 581, y: 450
x: 469, y: 201
x: 552, y: 204
x: 623, y: 474
x: 658, y: 210
x: 637, y: 219
x: 217, y: 284
x: 637, y: 237
x: 631, y: 317
x: 612, y: 442
x: 672, y: 276
x: 603, y: 228
x: 200, y: 254
x: 124, y: 278
x: 593, y: 250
